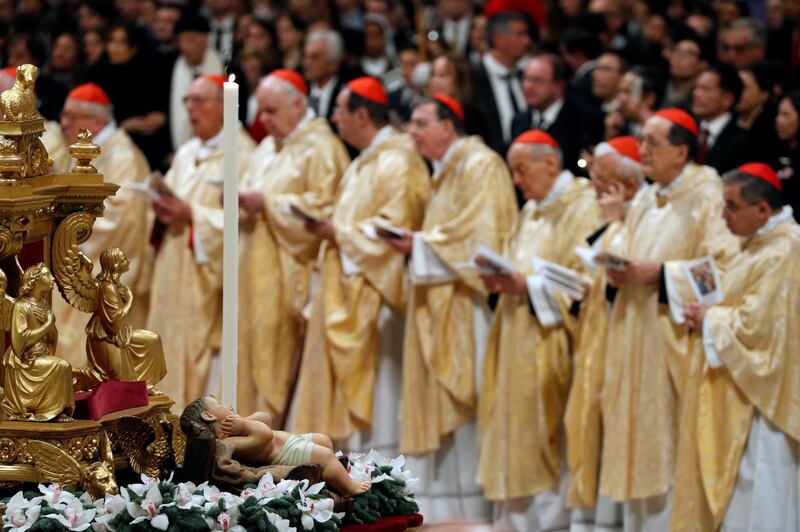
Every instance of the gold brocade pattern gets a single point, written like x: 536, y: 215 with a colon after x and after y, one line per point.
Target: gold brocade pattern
x: 473, y: 203
x: 305, y: 172
x: 526, y: 372
x: 582, y: 419
x: 186, y: 295
x: 646, y: 353
x: 339, y: 361
x: 755, y: 336
x: 126, y: 224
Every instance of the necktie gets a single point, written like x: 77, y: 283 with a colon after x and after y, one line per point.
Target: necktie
x: 702, y: 145
x: 313, y: 102
x: 509, y: 79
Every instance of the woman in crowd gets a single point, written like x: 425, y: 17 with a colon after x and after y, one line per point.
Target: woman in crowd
x: 787, y: 126
x: 451, y: 75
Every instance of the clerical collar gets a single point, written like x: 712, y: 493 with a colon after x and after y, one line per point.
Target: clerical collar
x: 209, y: 146
x: 775, y: 220
x: 104, y: 133
x: 715, y: 127
x: 382, y: 134
x: 309, y: 116
x: 547, y: 117
x: 439, y: 165
x: 663, y: 192
x: 559, y: 187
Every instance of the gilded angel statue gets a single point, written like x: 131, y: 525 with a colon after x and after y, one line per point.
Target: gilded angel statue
x: 114, y: 349
x: 37, y: 384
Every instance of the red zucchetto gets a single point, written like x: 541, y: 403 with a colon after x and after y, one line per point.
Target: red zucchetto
x: 679, y: 117
x: 536, y: 136
x: 291, y: 77
x: 90, y: 93
x: 763, y: 172
x: 369, y: 88
x: 451, y: 103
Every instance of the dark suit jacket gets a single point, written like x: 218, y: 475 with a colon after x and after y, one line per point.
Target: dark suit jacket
x: 576, y: 127
x: 730, y: 150
x: 494, y: 131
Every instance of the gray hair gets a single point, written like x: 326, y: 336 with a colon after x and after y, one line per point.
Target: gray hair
x: 756, y: 31
x: 97, y: 110
x: 542, y: 150
x: 333, y: 41
x: 627, y: 168
x: 284, y: 87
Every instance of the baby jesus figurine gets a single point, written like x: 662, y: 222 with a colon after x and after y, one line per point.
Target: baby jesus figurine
x: 257, y: 444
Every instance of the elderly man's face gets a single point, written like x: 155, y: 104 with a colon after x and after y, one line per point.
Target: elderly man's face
x: 74, y: 116
x: 538, y: 86
x: 204, y: 106
x: 316, y: 62
x: 659, y: 156
x: 605, y: 176
x: 278, y: 109
x: 427, y: 131
x: 533, y: 174
x: 742, y: 219
x: 736, y: 49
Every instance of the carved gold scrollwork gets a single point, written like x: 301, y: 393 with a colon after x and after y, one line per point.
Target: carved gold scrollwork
x: 72, y: 270
x: 10, y: 243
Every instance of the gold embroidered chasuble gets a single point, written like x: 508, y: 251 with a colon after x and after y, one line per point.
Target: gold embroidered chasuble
x: 186, y: 290
x: 646, y: 351
x: 126, y: 223
x: 582, y: 419
x: 276, y: 255
x: 472, y: 203
x: 335, y: 385
x: 526, y: 372
x: 755, y: 336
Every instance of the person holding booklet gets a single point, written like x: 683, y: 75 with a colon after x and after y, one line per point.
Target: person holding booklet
x: 354, y: 330
x: 127, y: 218
x: 521, y: 403
x: 447, y: 315
x: 617, y: 177
x: 296, y: 167
x: 738, y: 445
x: 676, y: 219
x: 186, y: 290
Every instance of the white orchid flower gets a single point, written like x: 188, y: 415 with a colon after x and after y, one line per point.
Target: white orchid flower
x: 320, y: 510
x: 141, y: 489
x: 55, y: 495
x: 74, y: 517
x: 20, y: 513
x: 226, y: 523
x: 149, y: 508
x: 185, y: 498
x: 283, y: 525
x: 107, y: 509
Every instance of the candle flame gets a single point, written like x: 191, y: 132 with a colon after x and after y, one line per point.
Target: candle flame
x: 231, y: 78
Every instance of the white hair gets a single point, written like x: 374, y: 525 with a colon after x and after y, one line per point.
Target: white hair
x: 284, y: 87
x: 541, y: 150
x: 627, y: 168
x: 98, y: 110
x: 332, y: 40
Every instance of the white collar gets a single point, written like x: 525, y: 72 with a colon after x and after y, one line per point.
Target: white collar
x: 675, y: 183
x: 382, y: 134
x: 309, y: 116
x: 439, y: 165
x: 716, y: 126
x: 209, y: 146
x: 105, y: 133
x: 559, y: 186
x: 549, y: 115
x: 775, y: 220
x: 329, y: 85
x: 495, y: 67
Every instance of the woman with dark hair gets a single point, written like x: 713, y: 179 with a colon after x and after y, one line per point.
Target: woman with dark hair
x: 290, y: 31
x: 128, y: 65
x: 66, y: 60
x: 450, y: 75
x: 787, y: 126
x: 93, y: 45
x: 756, y: 110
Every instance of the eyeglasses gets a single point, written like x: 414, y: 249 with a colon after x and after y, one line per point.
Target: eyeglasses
x: 686, y: 52
x: 735, y: 48
x: 197, y: 100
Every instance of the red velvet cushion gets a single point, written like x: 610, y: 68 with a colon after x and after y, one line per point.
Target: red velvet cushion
x: 394, y: 523
x: 110, y: 396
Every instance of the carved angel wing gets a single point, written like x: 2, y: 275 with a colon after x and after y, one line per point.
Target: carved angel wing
x: 135, y: 436
x: 72, y: 269
x: 55, y: 465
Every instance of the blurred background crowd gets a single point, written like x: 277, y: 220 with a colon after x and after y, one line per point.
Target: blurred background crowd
x: 602, y: 66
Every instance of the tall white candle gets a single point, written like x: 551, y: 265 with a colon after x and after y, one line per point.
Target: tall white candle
x: 230, y: 260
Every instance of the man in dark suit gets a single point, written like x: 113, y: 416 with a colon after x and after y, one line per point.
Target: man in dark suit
x: 323, y: 54
x: 721, y: 143
x: 497, y: 79
x: 574, y: 125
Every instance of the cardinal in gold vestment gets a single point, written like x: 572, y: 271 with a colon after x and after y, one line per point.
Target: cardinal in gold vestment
x: 677, y: 218
x: 744, y: 374
x: 617, y: 177
x: 527, y: 373
x: 127, y: 217
x: 472, y: 204
x: 300, y: 163
x: 358, y: 272
x: 186, y: 292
